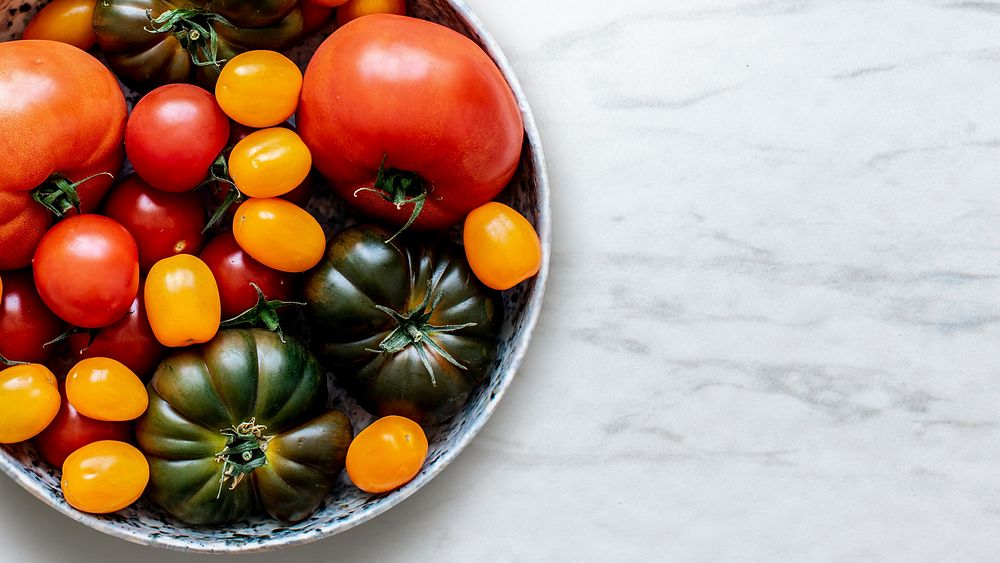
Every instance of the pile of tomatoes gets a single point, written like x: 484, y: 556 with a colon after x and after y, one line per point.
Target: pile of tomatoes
x: 121, y: 293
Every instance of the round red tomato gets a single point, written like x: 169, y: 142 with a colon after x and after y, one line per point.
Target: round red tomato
x: 424, y: 100
x: 163, y: 224
x: 234, y: 270
x: 70, y: 431
x: 174, y: 135
x: 87, y: 270
x: 130, y: 340
x: 25, y: 322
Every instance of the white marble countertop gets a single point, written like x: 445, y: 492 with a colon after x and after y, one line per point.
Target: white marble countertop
x: 770, y: 327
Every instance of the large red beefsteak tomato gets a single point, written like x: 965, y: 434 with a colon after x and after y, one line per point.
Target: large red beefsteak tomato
x: 62, y: 121
x: 422, y: 102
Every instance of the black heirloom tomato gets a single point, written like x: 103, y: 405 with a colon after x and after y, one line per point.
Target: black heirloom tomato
x: 405, y: 327
x: 149, y: 43
x: 239, y: 425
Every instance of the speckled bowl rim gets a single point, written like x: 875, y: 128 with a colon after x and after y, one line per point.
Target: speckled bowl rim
x: 532, y: 310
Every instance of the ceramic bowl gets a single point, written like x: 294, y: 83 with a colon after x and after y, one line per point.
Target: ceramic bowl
x: 346, y: 506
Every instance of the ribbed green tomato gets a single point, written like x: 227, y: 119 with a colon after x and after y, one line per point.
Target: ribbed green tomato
x: 406, y: 327
x: 238, y: 426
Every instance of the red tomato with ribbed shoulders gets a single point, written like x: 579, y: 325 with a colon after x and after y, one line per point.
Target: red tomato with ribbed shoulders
x: 424, y: 99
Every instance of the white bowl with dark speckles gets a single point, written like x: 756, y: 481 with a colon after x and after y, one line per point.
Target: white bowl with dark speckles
x: 346, y: 506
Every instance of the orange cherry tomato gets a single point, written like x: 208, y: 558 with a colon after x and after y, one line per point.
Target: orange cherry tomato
x: 354, y: 9
x: 104, y: 477
x: 501, y: 245
x: 105, y: 389
x: 182, y: 301
x: 270, y: 162
x: 68, y: 21
x: 259, y: 88
x: 29, y: 400
x: 279, y: 234
x: 387, y: 454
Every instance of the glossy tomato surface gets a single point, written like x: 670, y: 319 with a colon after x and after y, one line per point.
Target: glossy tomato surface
x: 29, y: 400
x: 501, y: 245
x: 26, y: 323
x: 269, y: 163
x: 70, y: 431
x: 387, y: 454
x: 68, y: 119
x: 105, y: 389
x: 174, y: 135
x: 259, y: 88
x: 162, y: 223
x: 354, y: 9
x: 279, y: 234
x: 104, y: 477
x: 86, y: 270
x: 235, y: 270
x: 425, y: 103
x: 68, y: 21
x: 130, y: 340
x: 182, y: 301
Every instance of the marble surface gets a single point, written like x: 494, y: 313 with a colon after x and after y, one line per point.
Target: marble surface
x: 773, y: 305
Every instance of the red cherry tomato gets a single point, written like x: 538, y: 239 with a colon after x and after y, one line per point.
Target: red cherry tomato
x: 70, y: 431
x: 234, y: 270
x: 174, y: 135
x: 87, y: 270
x: 25, y: 322
x: 315, y: 14
x: 130, y: 340
x: 163, y: 224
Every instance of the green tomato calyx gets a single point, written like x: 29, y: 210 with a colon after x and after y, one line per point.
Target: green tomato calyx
x: 245, y: 450
x: 399, y: 187
x: 264, y: 312
x: 415, y: 329
x: 193, y: 28
x: 59, y: 195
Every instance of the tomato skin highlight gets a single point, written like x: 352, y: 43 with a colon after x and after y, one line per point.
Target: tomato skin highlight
x: 234, y: 270
x: 259, y: 88
x: 174, y: 135
x: 26, y: 324
x: 105, y: 389
x: 66, y: 101
x: 70, y: 431
x: 386, y: 455
x: 162, y: 223
x: 67, y: 21
x: 269, y: 163
x: 502, y: 247
x: 424, y: 100
x: 130, y: 340
x: 279, y: 234
x: 29, y: 400
x: 68, y: 257
x: 104, y: 477
x: 182, y: 301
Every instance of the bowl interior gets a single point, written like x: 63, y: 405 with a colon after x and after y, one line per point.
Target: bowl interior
x: 346, y: 506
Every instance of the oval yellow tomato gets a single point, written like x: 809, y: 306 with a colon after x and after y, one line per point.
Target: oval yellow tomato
x: 68, y: 21
x: 29, y: 400
x: 105, y: 389
x: 387, y: 454
x: 259, y: 88
x: 104, y: 477
x: 354, y: 9
x: 269, y: 162
x: 501, y: 245
x: 182, y: 301
x: 279, y: 234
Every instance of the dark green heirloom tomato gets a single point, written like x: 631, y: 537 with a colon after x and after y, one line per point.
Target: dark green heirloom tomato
x: 238, y: 425
x: 149, y: 43
x: 405, y: 327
